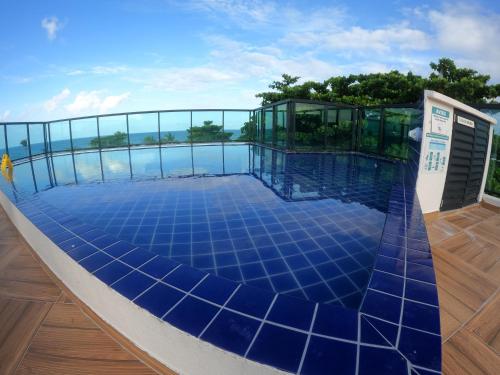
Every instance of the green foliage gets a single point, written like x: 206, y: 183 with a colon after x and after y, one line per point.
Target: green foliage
x: 24, y: 143
x: 117, y: 139
x: 149, y: 140
x: 248, y: 131
x: 168, y: 138
x: 208, y: 132
x: 463, y: 84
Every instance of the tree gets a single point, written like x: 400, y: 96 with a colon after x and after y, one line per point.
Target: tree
x: 117, y: 139
x: 149, y: 140
x: 168, y: 138
x: 24, y: 143
x: 248, y: 131
x: 463, y: 84
x: 208, y: 132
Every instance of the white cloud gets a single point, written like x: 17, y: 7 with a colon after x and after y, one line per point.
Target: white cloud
x: 94, y: 101
x: 5, y: 115
x: 52, y: 104
x: 51, y: 25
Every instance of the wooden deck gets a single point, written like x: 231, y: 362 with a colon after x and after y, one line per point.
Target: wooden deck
x: 45, y: 330
x: 466, y: 252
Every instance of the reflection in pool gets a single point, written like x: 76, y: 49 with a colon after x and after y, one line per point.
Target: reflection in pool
x: 306, y: 225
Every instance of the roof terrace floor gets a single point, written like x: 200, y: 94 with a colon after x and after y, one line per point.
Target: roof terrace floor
x: 466, y: 253
x: 46, y: 330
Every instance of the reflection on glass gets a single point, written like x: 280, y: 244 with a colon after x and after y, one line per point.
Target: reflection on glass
x: 17, y: 139
x: 2, y: 139
x: 309, y: 126
x: 63, y: 169
x: 174, y: 125
x: 116, y: 165
x: 258, y: 125
x: 41, y: 171
x: 23, y: 178
x: 493, y: 180
x: 177, y: 161
x: 238, y: 123
x: 236, y: 159
x: 143, y: 128
x: 339, y: 129
x: 60, y: 136
x: 113, y: 132
x: 370, y: 130
x: 281, y: 133
x: 207, y: 127
x: 88, y: 167
x: 207, y: 160
x: 267, y: 126
x: 397, y: 123
x: 84, y: 133
x: 145, y: 162
x: 36, y: 139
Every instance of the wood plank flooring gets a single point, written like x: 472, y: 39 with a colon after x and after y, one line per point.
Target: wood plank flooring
x: 466, y: 251
x: 46, y: 330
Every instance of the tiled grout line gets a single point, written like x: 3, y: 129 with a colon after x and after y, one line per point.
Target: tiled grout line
x: 306, y: 346
x: 405, y: 265
x: 403, y: 298
x: 154, y: 284
x: 186, y: 294
x: 358, y: 349
x: 220, y: 310
x: 261, y: 325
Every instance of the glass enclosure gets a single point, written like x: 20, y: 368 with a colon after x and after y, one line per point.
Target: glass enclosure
x: 493, y: 180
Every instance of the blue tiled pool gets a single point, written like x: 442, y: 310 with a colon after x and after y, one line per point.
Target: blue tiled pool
x: 203, y: 237
x: 306, y: 225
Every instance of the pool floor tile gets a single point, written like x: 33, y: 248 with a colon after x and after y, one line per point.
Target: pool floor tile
x: 133, y: 285
x: 191, y: 315
x: 159, y: 299
x: 326, y: 356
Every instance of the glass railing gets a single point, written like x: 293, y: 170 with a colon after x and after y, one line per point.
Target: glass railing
x: 492, y: 186
x: 128, y: 130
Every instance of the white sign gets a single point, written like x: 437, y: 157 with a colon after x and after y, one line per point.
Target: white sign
x: 440, y: 121
x: 465, y: 121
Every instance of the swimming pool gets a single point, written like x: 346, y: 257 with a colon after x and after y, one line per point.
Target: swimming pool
x: 305, y: 225
x: 238, y: 257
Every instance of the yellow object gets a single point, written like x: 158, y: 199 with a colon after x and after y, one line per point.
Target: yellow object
x: 7, y: 167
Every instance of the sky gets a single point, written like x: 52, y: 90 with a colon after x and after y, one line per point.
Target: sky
x: 71, y: 58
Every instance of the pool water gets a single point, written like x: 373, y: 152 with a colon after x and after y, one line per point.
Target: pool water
x: 305, y: 225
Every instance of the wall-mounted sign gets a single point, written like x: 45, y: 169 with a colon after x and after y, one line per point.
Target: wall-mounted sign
x: 465, y: 121
x: 440, y: 120
x: 435, y: 153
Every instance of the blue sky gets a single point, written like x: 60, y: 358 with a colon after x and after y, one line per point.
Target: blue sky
x: 71, y: 58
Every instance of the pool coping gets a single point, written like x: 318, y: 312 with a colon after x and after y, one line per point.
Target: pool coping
x: 397, y: 326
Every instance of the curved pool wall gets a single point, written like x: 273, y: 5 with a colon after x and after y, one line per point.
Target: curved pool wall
x: 198, y: 323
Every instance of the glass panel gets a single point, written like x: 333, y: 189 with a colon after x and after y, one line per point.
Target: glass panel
x: 177, y: 161
x: 116, y: 165
x: 207, y: 160
x: 239, y: 125
x: 143, y: 128
x: 84, y: 133
x: 267, y: 126
x: 36, y: 141
x: 23, y: 178
x: 207, y: 127
x: 2, y: 139
x: 236, y: 159
x: 88, y: 167
x: 493, y: 180
x: 339, y: 129
x: 370, y: 130
x: 397, y: 123
x: 63, y: 169
x: 146, y: 162
x: 174, y: 126
x: 41, y: 171
x: 17, y: 139
x: 309, y: 126
x: 113, y: 132
x: 59, y: 136
x: 281, y: 133
x: 258, y: 124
